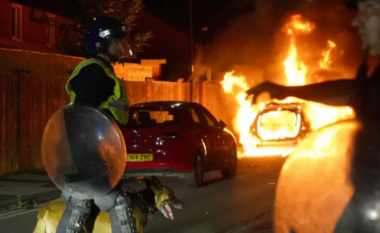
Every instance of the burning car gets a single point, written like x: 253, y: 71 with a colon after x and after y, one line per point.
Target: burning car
x: 279, y: 127
x: 283, y: 125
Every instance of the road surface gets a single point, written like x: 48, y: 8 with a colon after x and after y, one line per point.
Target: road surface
x: 221, y: 206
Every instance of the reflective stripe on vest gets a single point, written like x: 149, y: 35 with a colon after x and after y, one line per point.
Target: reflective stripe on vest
x: 117, y: 104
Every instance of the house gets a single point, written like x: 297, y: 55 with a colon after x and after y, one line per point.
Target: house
x: 168, y: 42
x: 32, y: 25
x: 27, y: 28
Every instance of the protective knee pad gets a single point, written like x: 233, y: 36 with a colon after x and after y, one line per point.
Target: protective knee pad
x: 118, y: 206
x: 75, y: 215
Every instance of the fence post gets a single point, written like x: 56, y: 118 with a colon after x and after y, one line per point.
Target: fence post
x: 203, y: 99
x: 196, y: 92
x: 24, y: 120
x: 209, y: 77
x: 180, y: 89
x: 192, y: 91
x: 149, y: 89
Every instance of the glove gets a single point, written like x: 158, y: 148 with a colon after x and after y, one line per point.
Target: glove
x: 275, y: 91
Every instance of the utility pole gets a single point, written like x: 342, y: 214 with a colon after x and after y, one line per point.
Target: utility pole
x: 191, y: 36
x: 191, y: 49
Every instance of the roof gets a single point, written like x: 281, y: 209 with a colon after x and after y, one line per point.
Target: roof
x: 68, y: 8
x: 165, y: 104
x: 169, y: 22
x: 282, y: 106
x: 65, y: 8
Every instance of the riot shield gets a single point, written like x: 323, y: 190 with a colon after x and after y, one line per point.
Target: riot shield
x: 83, y: 151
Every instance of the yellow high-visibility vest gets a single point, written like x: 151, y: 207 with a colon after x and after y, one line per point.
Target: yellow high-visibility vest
x: 118, y: 103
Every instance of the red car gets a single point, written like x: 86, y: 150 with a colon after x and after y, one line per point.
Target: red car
x: 177, y: 139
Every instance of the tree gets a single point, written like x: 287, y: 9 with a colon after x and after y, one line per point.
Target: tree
x: 83, y: 11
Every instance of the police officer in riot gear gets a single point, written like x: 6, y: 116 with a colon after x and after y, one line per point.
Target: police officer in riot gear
x: 93, y: 80
x: 93, y: 83
x: 331, y: 182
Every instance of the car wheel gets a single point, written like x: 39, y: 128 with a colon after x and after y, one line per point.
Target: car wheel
x: 230, y: 171
x: 196, y: 177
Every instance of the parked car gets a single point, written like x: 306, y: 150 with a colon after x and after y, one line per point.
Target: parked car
x: 279, y: 127
x: 180, y: 139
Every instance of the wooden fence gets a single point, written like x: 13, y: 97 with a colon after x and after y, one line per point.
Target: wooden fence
x: 28, y: 101
x: 32, y: 89
x: 8, y: 126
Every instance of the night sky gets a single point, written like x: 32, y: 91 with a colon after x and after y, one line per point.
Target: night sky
x: 245, y: 32
x: 213, y: 14
x: 218, y: 15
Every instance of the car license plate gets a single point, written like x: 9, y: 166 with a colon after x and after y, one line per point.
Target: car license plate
x: 139, y: 157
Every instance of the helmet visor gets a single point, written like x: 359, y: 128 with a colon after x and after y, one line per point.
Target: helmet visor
x: 121, y: 48
x: 119, y: 32
x: 128, y: 50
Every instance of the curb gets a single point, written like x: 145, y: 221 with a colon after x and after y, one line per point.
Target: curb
x: 39, y: 198
x: 11, y: 214
x: 262, y: 223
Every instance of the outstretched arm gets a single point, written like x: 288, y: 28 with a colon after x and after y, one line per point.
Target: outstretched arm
x: 336, y: 93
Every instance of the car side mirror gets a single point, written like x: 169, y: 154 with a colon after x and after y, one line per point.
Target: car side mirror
x: 222, y: 125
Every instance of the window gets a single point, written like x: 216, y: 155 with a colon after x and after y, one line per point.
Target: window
x: 194, y: 116
x: 152, y: 117
x: 16, y: 22
x: 273, y: 125
x: 161, y: 116
x: 50, y: 30
x: 211, y: 121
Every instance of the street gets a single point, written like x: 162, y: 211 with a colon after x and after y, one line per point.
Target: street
x: 232, y: 206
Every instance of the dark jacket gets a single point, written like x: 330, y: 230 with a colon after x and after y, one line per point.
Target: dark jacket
x: 92, y: 85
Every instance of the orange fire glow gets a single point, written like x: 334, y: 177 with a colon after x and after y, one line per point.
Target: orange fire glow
x: 296, y: 72
x: 326, y: 61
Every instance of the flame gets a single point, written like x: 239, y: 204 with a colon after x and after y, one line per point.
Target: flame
x: 326, y: 61
x: 278, y: 124
x: 295, y: 70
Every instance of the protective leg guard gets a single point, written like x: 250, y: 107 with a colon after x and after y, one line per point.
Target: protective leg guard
x: 75, y: 215
x: 118, y: 205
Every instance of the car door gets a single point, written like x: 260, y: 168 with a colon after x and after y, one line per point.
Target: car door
x: 222, y: 140
x: 212, y: 136
x: 194, y: 123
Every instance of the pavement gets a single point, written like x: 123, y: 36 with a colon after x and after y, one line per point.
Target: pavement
x: 26, y: 190
x: 240, y: 205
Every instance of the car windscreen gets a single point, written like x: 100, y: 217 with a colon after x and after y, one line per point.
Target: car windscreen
x: 275, y: 125
x: 153, y: 117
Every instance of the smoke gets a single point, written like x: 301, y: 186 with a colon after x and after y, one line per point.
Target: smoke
x: 255, y: 40
x: 247, y: 41
x: 255, y: 46
x: 245, y: 46
x: 333, y: 22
